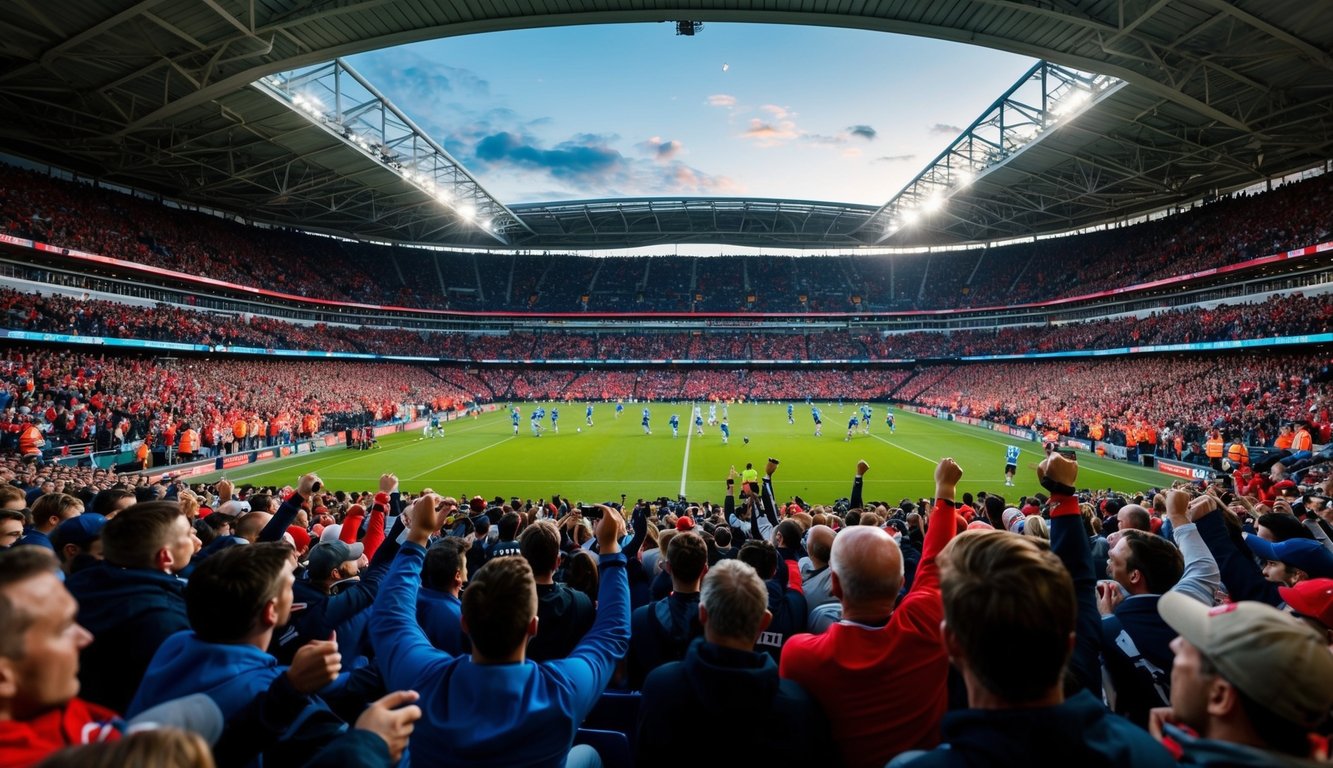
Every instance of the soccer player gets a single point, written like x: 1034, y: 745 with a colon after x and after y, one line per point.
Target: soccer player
x: 513, y: 416
x: 726, y: 411
x: 1010, y: 463
x: 587, y: 414
x: 674, y: 421
x: 819, y: 421
x: 698, y: 423
x: 555, y: 420
x: 852, y: 424
x: 646, y: 417
x: 726, y: 430
x: 866, y: 414
x: 889, y: 422
x: 790, y: 409
x: 712, y: 414
x: 620, y: 408
x: 536, y: 423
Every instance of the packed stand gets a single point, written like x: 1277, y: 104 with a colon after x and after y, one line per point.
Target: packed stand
x: 316, y: 626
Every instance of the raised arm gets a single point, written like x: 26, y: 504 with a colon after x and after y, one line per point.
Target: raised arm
x: 1240, y: 575
x: 1069, y: 541
x: 402, y: 651
x: 1201, y: 577
x: 589, y: 666
x: 287, y: 512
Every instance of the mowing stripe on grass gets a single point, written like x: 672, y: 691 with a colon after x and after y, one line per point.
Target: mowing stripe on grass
x: 983, y: 434
x: 927, y: 459
x: 460, y: 458
x: 689, y: 434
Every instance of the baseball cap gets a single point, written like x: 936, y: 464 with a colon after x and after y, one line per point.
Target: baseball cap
x: 1313, y: 598
x: 331, y: 532
x: 685, y: 523
x: 234, y: 508
x: 1011, y: 518
x: 1271, y: 656
x: 1307, y: 554
x: 81, y: 530
x: 327, y: 555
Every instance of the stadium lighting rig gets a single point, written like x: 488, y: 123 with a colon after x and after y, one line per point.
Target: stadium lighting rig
x: 340, y: 101
x: 1044, y: 98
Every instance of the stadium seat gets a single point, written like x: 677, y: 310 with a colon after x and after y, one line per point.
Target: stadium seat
x: 613, y: 746
x: 616, y: 711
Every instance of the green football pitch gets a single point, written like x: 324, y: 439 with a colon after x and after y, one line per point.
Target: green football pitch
x: 483, y: 456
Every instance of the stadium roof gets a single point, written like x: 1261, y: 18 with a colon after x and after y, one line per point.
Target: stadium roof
x: 160, y: 95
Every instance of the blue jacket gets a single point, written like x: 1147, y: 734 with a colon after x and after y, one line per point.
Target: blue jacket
x: 495, y: 714
x: 130, y: 612
x: 440, y: 615
x: 1152, y: 637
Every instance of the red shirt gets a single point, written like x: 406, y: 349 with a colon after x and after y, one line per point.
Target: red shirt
x: 883, y: 688
x: 28, y: 742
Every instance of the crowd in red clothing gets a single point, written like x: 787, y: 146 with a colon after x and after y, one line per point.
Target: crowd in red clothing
x: 100, y: 221
x: 1276, y: 316
x: 1247, y: 396
x: 108, y: 401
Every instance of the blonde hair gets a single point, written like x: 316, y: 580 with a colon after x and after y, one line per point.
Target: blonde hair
x: 1035, y: 527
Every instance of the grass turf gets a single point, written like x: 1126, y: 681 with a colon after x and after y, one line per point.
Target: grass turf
x: 483, y: 456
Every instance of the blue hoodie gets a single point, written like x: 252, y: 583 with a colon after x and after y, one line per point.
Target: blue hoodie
x: 130, y: 612
x: 231, y: 674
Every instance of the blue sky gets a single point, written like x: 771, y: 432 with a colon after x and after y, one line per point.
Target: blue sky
x: 738, y: 110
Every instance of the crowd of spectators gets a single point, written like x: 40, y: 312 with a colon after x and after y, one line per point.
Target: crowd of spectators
x: 1226, y: 231
x: 180, y: 624
x: 1285, y: 315
x: 110, y: 401
x: 1122, y: 400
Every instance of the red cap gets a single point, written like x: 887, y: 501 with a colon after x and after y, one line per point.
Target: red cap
x: 685, y: 523
x: 300, y: 536
x: 1313, y: 598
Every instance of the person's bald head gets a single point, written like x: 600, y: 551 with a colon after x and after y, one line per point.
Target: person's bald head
x: 1133, y: 516
x: 867, y: 570
x: 250, y: 525
x: 818, y: 544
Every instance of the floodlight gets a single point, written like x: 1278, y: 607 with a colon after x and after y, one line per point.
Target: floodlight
x: 933, y: 203
x: 911, y: 217
x: 467, y: 211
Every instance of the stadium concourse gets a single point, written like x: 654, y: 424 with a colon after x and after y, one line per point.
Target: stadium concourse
x: 890, y: 594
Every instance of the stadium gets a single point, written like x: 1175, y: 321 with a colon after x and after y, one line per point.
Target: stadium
x: 336, y: 429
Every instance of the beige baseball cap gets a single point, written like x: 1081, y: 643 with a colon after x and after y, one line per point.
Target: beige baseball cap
x: 1271, y: 656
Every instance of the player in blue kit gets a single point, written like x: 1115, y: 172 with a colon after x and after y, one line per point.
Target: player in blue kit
x: 866, y: 414
x: 646, y: 417
x: 852, y: 424
x: 712, y: 414
x: 620, y: 408
x: 819, y: 421
x: 790, y: 409
x: 536, y: 423
x: 674, y: 421
x: 1011, y: 453
x: 555, y: 420
x: 726, y: 430
x: 587, y: 414
x: 513, y: 417
x: 698, y: 423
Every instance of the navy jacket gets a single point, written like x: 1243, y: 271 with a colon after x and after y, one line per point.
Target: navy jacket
x: 1135, y: 694
x: 660, y: 632
x: 131, y: 612
x: 753, y: 716
x: 1080, y: 732
x: 564, y: 616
